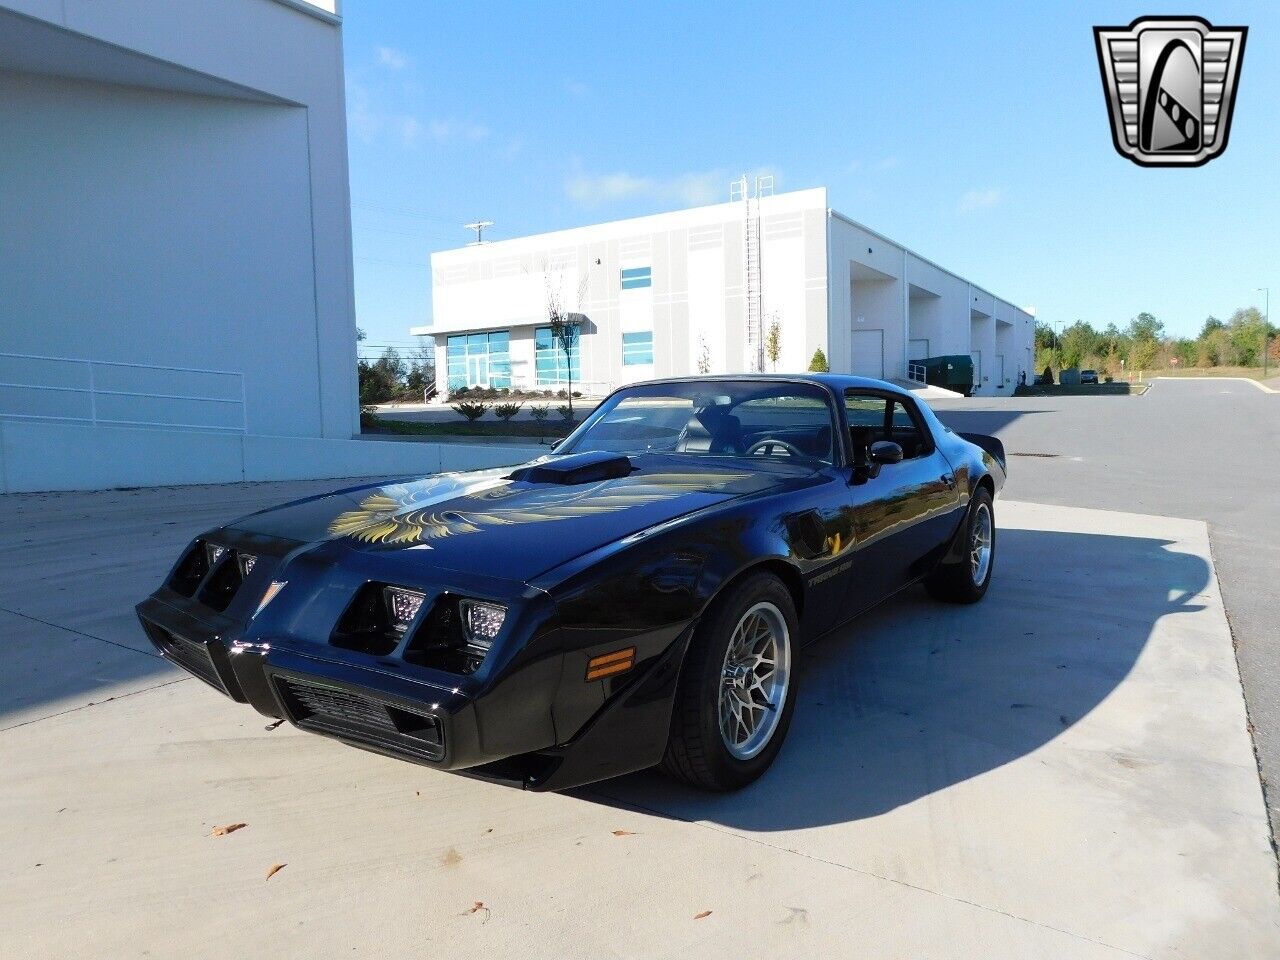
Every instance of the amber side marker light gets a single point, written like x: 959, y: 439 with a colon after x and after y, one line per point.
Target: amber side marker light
x: 611, y: 664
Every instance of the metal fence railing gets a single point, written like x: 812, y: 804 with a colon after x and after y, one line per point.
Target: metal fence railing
x: 72, y: 390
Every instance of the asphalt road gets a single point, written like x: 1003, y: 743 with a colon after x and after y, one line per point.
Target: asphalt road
x: 1200, y: 449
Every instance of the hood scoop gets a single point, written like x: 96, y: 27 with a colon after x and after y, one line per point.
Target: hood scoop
x: 576, y: 468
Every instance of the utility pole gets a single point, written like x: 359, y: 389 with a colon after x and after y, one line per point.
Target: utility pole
x: 1266, y: 330
x: 479, y: 228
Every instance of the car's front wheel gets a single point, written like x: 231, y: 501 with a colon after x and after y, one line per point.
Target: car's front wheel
x: 737, y: 689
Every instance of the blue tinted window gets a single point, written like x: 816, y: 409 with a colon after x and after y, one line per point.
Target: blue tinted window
x: 478, y: 360
x: 637, y: 348
x: 549, y: 364
x: 634, y: 277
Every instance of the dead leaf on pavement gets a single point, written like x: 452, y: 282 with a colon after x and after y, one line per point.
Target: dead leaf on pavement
x: 624, y: 833
x: 450, y: 858
x: 275, y: 868
x: 703, y: 915
x: 478, y: 907
x: 228, y: 828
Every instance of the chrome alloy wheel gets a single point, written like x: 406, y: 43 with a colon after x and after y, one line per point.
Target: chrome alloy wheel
x: 980, y: 536
x: 753, y: 680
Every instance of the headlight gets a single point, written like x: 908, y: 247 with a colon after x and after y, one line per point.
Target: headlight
x: 481, y: 622
x: 247, y: 562
x: 214, y: 553
x: 403, y: 605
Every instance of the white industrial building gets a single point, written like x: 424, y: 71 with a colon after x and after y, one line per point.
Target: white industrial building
x: 698, y: 290
x: 176, y: 296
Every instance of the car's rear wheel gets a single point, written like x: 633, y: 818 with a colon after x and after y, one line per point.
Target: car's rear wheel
x: 966, y: 580
x: 737, y: 689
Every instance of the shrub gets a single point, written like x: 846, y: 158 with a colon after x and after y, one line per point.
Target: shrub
x: 1047, y: 376
x: 539, y: 412
x: 565, y: 411
x: 472, y: 411
x: 819, y: 362
x: 505, y: 411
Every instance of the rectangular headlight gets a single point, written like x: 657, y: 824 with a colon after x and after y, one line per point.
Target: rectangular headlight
x: 403, y: 605
x: 481, y: 622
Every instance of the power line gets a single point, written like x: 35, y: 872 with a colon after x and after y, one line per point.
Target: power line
x: 403, y: 212
x: 395, y: 263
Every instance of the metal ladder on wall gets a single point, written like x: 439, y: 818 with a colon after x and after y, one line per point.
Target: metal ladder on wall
x: 754, y: 311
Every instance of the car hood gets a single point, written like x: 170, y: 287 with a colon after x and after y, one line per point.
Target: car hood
x: 487, y: 523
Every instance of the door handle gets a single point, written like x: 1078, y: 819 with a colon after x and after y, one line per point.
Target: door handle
x: 948, y: 480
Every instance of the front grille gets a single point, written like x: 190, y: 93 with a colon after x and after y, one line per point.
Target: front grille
x: 191, y: 655
x: 338, y: 706
x: 353, y: 716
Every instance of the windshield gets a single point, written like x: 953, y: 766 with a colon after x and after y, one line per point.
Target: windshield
x: 734, y: 418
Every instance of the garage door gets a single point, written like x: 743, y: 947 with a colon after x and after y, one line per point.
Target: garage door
x: 868, y: 353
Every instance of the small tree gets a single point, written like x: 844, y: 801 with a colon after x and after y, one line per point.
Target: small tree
x: 819, y: 362
x: 773, y: 343
x: 505, y: 411
x: 704, y: 357
x: 564, y: 334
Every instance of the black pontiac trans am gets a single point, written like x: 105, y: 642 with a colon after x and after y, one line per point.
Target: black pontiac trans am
x: 637, y: 598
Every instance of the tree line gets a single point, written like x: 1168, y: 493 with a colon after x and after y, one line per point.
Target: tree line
x: 1238, y: 341
x: 392, y: 377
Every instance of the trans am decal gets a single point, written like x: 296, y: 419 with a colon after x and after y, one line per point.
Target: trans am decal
x: 404, y: 513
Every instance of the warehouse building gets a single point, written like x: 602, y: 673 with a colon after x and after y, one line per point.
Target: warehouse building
x: 176, y: 297
x: 699, y: 290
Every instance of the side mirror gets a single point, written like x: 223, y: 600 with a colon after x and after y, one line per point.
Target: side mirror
x: 556, y: 443
x: 884, y: 452
x: 878, y: 454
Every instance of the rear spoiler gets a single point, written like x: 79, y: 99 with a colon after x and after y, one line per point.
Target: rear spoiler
x: 990, y: 444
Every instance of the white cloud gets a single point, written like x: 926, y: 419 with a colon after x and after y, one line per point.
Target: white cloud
x: 688, y: 189
x: 979, y: 199
x: 410, y: 129
x: 392, y: 59
x: 448, y: 131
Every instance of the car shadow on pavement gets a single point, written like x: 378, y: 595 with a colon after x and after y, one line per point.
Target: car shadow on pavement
x: 917, y: 695
x: 981, y: 421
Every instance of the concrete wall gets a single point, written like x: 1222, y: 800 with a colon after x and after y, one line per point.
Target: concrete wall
x: 176, y: 219
x: 65, y: 456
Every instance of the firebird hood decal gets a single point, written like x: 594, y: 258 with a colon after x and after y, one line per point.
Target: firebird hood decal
x: 404, y: 514
x: 485, y: 523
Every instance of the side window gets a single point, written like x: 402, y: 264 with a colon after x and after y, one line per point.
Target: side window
x: 873, y: 417
x: 908, y: 432
x: 866, y: 413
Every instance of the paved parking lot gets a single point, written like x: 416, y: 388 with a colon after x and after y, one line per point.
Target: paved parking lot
x: 1205, y: 449
x: 1061, y: 771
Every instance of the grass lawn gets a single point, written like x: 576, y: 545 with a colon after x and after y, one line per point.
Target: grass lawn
x: 549, y: 429
x: 1119, y: 388
x: 1249, y: 373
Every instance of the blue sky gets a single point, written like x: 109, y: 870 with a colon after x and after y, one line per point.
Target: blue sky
x: 974, y: 133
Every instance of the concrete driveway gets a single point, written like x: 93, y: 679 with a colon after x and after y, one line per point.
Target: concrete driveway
x: 1061, y: 771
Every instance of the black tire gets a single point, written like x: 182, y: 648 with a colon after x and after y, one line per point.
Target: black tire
x: 958, y: 582
x: 696, y: 750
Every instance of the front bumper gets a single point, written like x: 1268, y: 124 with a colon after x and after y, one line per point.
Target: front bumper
x: 504, y: 734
